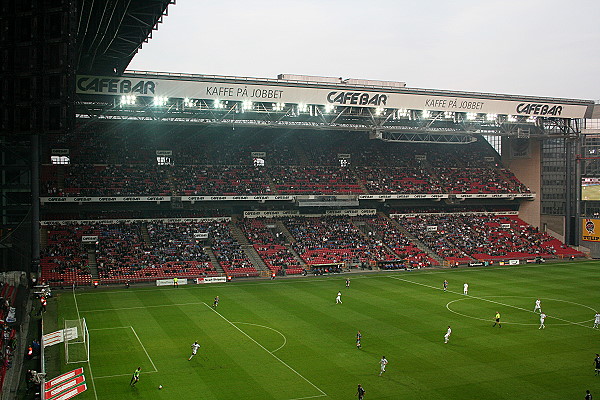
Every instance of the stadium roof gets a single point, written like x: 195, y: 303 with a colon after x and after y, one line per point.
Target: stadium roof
x: 109, y: 33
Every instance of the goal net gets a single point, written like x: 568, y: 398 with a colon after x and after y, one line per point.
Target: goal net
x: 77, y: 341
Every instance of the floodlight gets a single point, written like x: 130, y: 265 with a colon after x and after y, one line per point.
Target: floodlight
x: 449, y: 114
x: 160, y: 101
x: 278, y: 106
x: 379, y: 111
x: 329, y: 108
x: 532, y: 119
x: 217, y: 104
x: 471, y: 116
x: 127, y: 100
x: 512, y: 118
x: 426, y: 114
x: 302, y: 107
x: 246, y: 105
x: 491, y: 117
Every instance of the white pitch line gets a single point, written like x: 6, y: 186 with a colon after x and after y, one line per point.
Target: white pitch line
x: 271, y: 353
x: 309, y: 397
x: 104, y: 329
x: 137, y: 337
x: 143, y: 347
x: 488, y: 300
x: 267, y: 327
x: 143, y: 307
x: 88, y: 362
x: 118, y: 375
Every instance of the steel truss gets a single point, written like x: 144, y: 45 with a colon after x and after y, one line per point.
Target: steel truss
x: 384, y: 124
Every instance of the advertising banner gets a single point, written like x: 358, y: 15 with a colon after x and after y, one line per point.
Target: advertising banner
x: 286, y: 92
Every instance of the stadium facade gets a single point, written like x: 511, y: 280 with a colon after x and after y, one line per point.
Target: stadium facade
x: 67, y: 73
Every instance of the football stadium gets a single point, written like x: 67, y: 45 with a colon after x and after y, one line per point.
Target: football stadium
x: 176, y: 236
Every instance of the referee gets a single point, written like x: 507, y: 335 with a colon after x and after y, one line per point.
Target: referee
x: 497, y: 320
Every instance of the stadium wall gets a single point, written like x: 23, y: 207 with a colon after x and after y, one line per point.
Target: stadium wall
x: 527, y: 168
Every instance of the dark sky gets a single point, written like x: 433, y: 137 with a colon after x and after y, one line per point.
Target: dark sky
x: 531, y: 47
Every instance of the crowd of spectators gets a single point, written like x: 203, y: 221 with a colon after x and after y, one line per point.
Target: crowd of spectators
x: 399, y: 243
x: 211, y: 163
x: 313, y: 179
x: 64, y: 259
x: 270, y: 246
x: 465, y: 237
x: 330, y: 240
x: 192, y: 180
x: 229, y: 252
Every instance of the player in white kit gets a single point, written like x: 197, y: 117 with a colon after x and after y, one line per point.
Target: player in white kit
x: 597, y: 320
x: 195, y: 347
x: 338, y: 299
x: 538, y: 306
x: 447, y: 335
x: 383, y: 362
x: 466, y: 288
x: 542, y: 318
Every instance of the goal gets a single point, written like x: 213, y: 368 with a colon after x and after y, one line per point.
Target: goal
x: 77, y: 341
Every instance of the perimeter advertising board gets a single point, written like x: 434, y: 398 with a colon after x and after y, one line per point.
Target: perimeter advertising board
x: 343, y: 96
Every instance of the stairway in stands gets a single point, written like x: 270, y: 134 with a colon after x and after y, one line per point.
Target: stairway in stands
x: 256, y: 259
x: 416, y: 241
x: 368, y: 231
x: 280, y: 226
x: 248, y: 249
x: 145, y: 235
x: 92, y: 262
x: 213, y: 260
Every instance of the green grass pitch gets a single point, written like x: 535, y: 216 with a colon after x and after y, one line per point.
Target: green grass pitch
x: 287, y: 339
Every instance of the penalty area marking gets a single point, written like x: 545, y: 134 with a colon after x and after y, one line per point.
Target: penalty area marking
x: 271, y: 353
x: 488, y: 300
x: 267, y: 327
x: 518, y: 323
x: 141, y: 344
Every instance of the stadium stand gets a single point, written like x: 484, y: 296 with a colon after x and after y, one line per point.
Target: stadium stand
x: 464, y: 238
x: 212, y: 164
x: 271, y: 247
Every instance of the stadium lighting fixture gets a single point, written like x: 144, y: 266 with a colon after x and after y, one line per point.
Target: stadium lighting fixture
x: 491, y: 117
x: 512, y: 118
x: 426, y: 114
x: 278, y: 106
x: 379, y: 111
x: 532, y: 119
x: 449, y: 114
x: 217, y: 104
x: 160, y: 101
x: 329, y: 108
x: 471, y: 116
x: 190, y: 103
x: 127, y: 100
x: 401, y: 113
x: 246, y: 105
x: 302, y: 107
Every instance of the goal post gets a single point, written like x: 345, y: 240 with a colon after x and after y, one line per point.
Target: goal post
x: 77, y: 341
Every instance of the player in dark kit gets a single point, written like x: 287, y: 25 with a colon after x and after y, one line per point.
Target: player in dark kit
x: 360, y: 392
x: 358, y: 337
x: 216, y: 302
x: 445, y: 285
x: 136, y: 376
x: 597, y: 361
x: 588, y: 395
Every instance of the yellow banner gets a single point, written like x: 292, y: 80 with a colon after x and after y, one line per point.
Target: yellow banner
x: 591, y: 230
